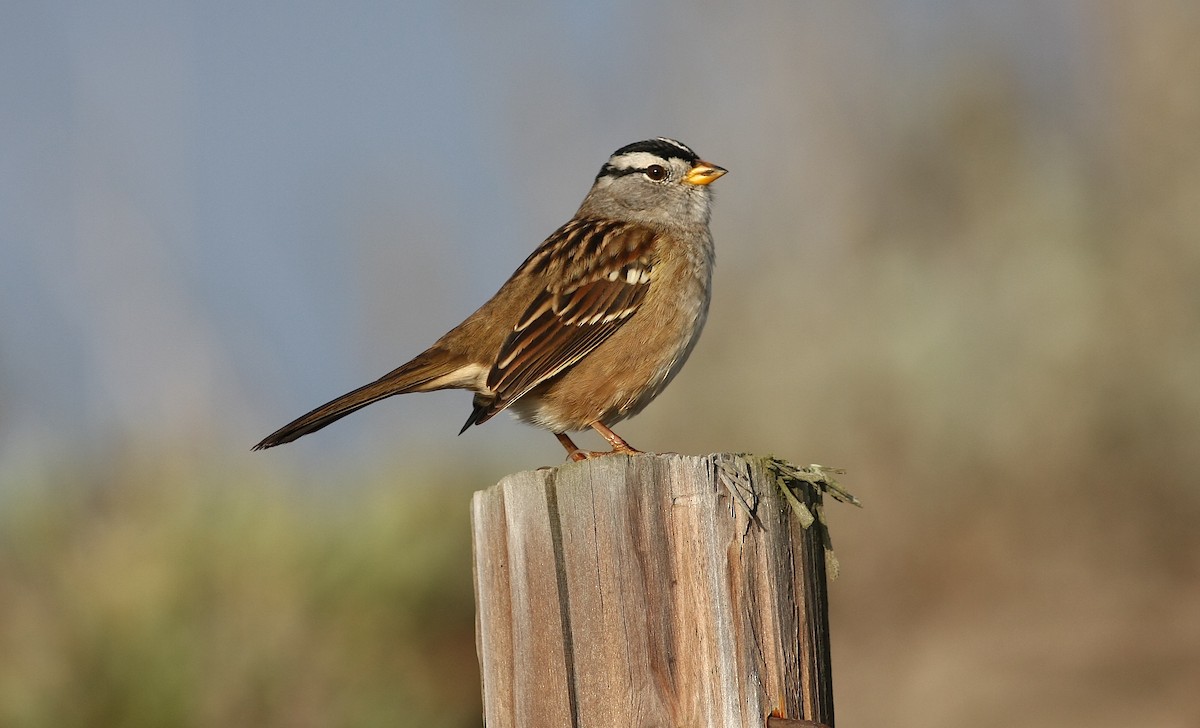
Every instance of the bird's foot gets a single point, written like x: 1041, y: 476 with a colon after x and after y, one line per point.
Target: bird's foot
x: 581, y: 455
x: 620, y: 447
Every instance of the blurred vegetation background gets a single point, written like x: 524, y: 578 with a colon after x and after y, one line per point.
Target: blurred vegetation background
x: 959, y: 255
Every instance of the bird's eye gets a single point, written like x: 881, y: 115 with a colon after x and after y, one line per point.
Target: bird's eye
x: 656, y: 172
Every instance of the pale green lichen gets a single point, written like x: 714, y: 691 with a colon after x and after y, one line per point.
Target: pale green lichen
x: 797, y: 484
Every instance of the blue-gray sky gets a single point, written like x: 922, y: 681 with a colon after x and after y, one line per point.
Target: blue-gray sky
x: 214, y: 216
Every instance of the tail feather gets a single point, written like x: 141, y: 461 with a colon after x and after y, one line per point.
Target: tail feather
x: 415, y: 376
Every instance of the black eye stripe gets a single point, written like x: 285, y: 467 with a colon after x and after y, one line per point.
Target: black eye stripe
x: 610, y: 171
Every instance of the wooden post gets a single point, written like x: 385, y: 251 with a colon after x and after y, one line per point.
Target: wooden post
x: 654, y: 590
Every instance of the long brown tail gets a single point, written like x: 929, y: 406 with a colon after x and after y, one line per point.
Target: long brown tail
x: 416, y: 376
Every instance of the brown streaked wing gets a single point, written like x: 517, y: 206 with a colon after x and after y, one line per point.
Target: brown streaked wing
x: 597, y: 273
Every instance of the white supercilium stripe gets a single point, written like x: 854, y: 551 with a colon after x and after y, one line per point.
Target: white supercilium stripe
x: 636, y: 160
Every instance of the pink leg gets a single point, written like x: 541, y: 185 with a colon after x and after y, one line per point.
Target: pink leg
x: 573, y: 451
x: 618, y: 445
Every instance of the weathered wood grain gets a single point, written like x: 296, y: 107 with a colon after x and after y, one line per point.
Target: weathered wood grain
x: 642, y: 591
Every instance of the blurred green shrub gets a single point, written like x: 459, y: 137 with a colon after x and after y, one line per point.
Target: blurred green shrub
x: 152, y: 596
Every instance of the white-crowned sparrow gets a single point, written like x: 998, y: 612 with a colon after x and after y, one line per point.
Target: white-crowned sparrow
x: 594, y: 324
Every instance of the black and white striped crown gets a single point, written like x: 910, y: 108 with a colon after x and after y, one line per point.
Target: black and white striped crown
x: 638, y: 156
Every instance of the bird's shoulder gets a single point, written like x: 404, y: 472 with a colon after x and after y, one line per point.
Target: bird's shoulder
x: 587, y: 250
